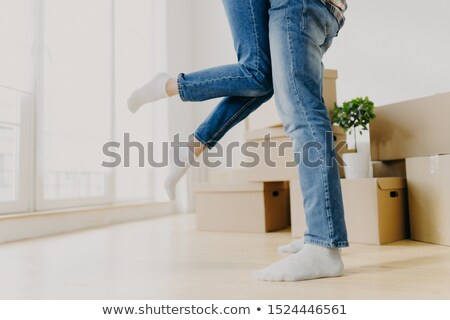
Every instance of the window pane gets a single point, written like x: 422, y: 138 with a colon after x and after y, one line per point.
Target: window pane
x: 16, y: 43
x: 76, y: 98
x: 10, y: 103
x: 8, y: 163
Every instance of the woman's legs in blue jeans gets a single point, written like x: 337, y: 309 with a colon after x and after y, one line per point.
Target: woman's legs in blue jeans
x: 245, y: 85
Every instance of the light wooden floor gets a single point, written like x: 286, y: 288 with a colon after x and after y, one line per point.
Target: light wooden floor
x: 166, y: 258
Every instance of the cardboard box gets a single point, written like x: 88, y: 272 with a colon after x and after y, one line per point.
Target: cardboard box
x: 243, y: 207
x: 429, y: 198
x: 278, y: 167
x: 385, y: 169
x: 414, y: 128
x: 375, y: 210
x: 221, y: 176
x: 266, y: 116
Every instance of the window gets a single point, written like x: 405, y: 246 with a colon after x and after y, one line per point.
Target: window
x: 67, y: 69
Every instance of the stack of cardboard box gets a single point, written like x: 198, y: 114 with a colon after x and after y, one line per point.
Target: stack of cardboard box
x: 418, y: 131
x: 256, y: 199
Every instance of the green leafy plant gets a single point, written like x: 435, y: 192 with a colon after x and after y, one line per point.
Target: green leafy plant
x: 354, y: 115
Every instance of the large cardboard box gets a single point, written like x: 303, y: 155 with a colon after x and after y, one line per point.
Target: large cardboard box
x: 414, y: 128
x: 266, y: 116
x: 280, y: 164
x: 429, y: 198
x: 243, y: 207
x: 375, y: 210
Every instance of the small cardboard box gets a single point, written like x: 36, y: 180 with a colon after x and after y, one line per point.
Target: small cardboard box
x: 415, y: 128
x: 282, y: 156
x: 429, y: 198
x: 375, y: 210
x: 385, y: 169
x: 266, y: 116
x: 242, y: 207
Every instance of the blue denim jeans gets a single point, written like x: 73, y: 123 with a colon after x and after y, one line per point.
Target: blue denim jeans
x: 280, y: 45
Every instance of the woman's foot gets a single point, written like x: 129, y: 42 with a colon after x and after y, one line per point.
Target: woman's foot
x: 178, y: 170
x: 312, y: 262
x: 293, y: 247
x: 152, y: 91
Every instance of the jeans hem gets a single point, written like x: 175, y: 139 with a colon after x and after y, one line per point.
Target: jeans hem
x: 202, y: 141
x: 328, y: 244
x: 180, y: 88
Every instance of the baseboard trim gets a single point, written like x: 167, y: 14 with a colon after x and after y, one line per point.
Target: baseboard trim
x: 16, y: 227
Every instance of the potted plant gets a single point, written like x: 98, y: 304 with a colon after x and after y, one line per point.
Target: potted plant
x: 353, y: 116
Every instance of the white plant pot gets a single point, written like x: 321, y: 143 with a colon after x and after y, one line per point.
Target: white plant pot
x: 356, y: 165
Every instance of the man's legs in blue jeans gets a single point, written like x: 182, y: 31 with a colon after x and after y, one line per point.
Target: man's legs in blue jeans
x: 245, y: 85
x: 300, y: 33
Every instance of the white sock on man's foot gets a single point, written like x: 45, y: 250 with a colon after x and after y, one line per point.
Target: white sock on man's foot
x: 152, y: 91
x: 293, y: 247
x: 177, y: 171
x: 311, y: 262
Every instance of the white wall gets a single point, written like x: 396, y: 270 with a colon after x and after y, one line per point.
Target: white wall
x: 393, y: 50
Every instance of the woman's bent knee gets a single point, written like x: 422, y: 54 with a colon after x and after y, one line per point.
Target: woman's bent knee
x: 261, y: 81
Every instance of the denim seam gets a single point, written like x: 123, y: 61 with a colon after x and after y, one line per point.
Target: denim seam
x: 230, y: 120
x: 213, y: 80
x: 255, y: 36
x: 303, y: 15
x: 297, y: 95
x: 180, y: 89
x: 329, y: 220
x: 327, y: 197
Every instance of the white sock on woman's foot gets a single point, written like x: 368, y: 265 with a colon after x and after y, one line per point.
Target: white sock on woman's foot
x: 311, y: 262
x: 177, y: 171
x: 293, y: 247
x: 152, y: 91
